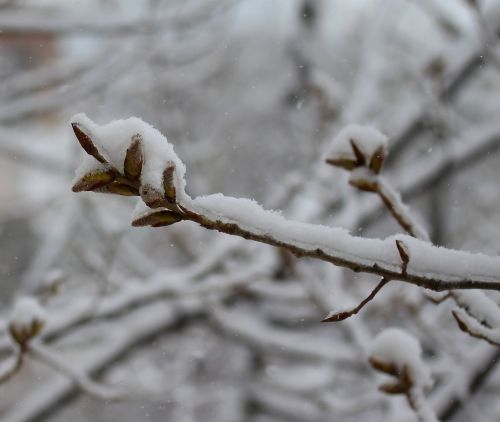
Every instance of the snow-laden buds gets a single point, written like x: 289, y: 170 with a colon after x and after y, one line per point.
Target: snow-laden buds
x: 130, y: 157
x: 100, y: 174
x: 26, y: 320
x: 358, y: 146
x: 398, y: 354
x: 167, y: 197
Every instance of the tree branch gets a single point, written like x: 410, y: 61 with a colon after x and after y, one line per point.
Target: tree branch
x: 166, y: 202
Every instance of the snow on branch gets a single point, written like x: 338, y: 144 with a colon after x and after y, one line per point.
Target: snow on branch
x: 362, y: 151
x: 357, y: 146
x: 132, y: 158
x: 477, y: 314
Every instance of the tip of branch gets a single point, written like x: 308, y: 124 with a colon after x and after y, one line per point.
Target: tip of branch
x: 340, y: 316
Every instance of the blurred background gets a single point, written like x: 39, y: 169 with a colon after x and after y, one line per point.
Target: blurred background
x: 199, y: 326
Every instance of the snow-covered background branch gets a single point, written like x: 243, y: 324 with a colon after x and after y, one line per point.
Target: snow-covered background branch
x: 103, y: 321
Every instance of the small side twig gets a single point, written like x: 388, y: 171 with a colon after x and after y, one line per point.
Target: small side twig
x: 474, y: 328
x: 340, y: 316
x: 13, y: 367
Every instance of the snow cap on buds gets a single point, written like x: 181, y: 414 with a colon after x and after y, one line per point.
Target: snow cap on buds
x: 26, y: 320
x: 358, y: 146
x: 398, y: 353
x: 128, y: 157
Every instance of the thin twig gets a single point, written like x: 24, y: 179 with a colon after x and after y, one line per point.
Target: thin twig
x: 12, y: 369
x: 340, y: 316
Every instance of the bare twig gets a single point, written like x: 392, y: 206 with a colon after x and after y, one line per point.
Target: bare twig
x: 12, y: 368
x: 340, y: 316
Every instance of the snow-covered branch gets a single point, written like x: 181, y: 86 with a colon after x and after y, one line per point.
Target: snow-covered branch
x: 129, y: 157
x: 80, y: 378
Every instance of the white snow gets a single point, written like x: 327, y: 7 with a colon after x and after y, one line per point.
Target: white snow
x: 362, y: 175
x: 426, y: 259
x: 26, y: 311
x: 396, y: 346
x: 402, y: 209
x: 480, y: 306
x: 476, y: 328
x: 112, y: 140
x: 368, y: 140
x: 422, y: 407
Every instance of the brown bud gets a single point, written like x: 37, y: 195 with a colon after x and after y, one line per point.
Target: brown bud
x: 360, y: 157
x: 152, y: 197
x: 403, y: 250
x: 377, y: 160
x: 26, y: 321
x: 86, y: 143
x: 132, y: 165
x: 22, y: 334
x: 118, y: 188
x: 393, y: 388
x: 168, y: 182
x: 344, y: 162
x: 157, y: 218
x: 94, y: 180
x: 363, y: 184
x: 384, y: 366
